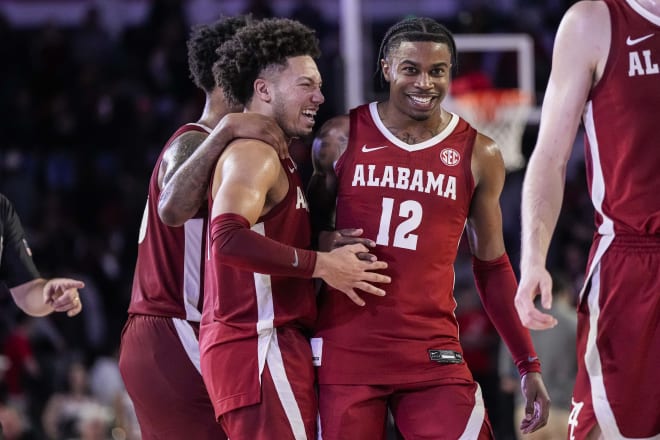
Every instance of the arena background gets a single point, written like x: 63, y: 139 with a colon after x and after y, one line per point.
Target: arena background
x: 89, y: 92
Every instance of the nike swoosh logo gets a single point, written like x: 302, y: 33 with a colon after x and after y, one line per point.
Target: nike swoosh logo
x: 366, y: 149
x: 631, y: 42
x: 291, y: 165
x: 295, y: 258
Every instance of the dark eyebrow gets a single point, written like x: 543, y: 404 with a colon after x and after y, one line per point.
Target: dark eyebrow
x: 434, y: 66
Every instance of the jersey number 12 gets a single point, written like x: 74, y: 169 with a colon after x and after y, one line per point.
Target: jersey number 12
x: 411, y: 211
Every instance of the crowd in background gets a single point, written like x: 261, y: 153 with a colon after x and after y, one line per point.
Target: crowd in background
x: 84, y: 115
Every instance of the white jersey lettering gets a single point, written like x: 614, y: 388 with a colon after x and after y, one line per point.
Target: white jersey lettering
x: 450, y: 190
x: 417, y: 184
x: 405, y: 179
x: 388, y: 177
x: 635, y: 64
x: 301, y: 201
x: 358, y: 177
x: 637, y: 67
x: 402, y: 180
x: 651, y: 67
x: 373, y: 181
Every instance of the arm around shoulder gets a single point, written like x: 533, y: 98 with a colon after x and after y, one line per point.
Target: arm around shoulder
x: 188, y: 163
x: 184, y: 176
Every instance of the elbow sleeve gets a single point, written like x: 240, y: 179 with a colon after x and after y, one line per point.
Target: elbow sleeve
x: 235, y: 244
x: 497, y: 286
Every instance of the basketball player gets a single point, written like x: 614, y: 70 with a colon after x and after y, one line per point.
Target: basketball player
x: 605, y: 69
x: 413, y: 176
x: 33, y: 294
x: 159, y: 357
x: 260, y: 300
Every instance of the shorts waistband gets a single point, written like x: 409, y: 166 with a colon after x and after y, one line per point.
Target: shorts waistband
x: 637, y: 241
x: 162, y: 318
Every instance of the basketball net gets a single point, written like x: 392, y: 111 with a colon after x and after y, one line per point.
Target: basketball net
x: 500, y: 114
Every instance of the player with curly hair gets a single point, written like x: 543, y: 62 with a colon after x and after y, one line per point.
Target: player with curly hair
x: 159, y: 358
x: 260, y: 299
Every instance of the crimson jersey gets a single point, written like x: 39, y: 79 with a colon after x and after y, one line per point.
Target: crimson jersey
x: 621, y: 126
x: 169, y: 268
x: 243, y: 309
x: 413, y: 200
x: 622, y: 169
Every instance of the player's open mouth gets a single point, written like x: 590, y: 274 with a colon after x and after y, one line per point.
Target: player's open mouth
x: 310, y: 115
x: 425, y: 101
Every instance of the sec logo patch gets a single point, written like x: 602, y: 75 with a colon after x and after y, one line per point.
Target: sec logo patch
x: 450, y: 157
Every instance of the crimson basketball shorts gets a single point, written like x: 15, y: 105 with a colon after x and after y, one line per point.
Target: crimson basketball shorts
x: 287, y: 407
x: 618, y: 347
x: 159, y: 362
x: 430, y: 409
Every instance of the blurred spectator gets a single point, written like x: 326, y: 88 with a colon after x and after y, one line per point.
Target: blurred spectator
x: 22, y: 365
x: 308, y: 13
x: 104, y: 378
x: 108, y: 388
x: 556, y: 349
x: 65, y: 410
x: 91, y: 43
x: 259, y: 9
x: 94, y: 423
x: 14, y: 424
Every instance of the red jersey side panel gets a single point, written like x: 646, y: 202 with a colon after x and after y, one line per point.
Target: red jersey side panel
x: 243, y: 309
x: 169, y: 268
x: 413, y: 200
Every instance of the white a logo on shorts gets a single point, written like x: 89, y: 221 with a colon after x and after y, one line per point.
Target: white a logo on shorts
x: 573, y: 418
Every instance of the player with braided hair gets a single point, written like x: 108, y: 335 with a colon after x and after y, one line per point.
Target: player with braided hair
x: 415, y: 29
x: 260, y: 299
x: 413, y: 176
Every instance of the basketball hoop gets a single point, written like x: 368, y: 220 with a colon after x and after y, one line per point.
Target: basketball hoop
x: 500, y: 114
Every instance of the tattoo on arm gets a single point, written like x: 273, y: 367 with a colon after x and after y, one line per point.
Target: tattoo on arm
x: 185, y: 182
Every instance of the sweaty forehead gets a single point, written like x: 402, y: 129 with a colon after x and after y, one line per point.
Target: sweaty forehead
x: 301, y: 67
x: 422, y: 51
x: 305, y: 66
